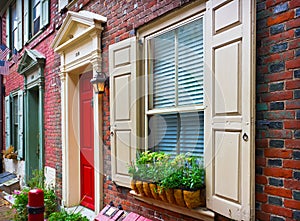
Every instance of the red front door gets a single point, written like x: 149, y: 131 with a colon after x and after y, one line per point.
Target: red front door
x: 87, y: 141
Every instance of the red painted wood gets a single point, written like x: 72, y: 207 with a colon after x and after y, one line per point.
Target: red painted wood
x: 87, y: 142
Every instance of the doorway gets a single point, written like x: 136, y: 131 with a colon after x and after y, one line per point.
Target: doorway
x: 87, y: 180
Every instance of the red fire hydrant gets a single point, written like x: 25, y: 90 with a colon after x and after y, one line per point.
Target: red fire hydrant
x: 35, y: 205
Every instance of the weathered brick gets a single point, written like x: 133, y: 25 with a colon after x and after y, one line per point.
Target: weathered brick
x: 277, y: 210
x: 260, y: 6
x: 278, y: 172
x: 297, y: 12
x: 259, y: 188
x: 296, y: 195
x: 295, y: 63
x: 292, y: 144
x: 275, y: 115
x: 275, y: 182
x: 275, y: 200
x: 279, y: 47
x: 277, y: 67
x: 277, y: 96
x: 297, y: 134
x: 297, y: 32
x: 296, y: 155
x: 276, y: 105
x: 293, y: 204
x: 298, y: 114
x: 276, y: 125
x: 292, y: 184
x: 277, y: 218
x: 280, y: 8
x: 258, y: 170
x: 293, y: 23
x: 294, y: 4
x: 276, y: 143
x: 296, y: 214
x: 275, y: 162
x: 275, y: 152
x: 278, y: 76
x: 296, y: 175
x: 293, y: 164
x: 276, y: 86
x: 261, y: 107
x: 296, y: 94
x: 291, y: 124
x: 275, y: 29
x: 292, y: 104
x: 280, y: 18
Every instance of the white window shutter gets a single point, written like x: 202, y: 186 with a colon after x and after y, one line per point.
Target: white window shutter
x: 26, y: 21
x: 44, y: 13
x: 20, y: 126
x: 7, y: 121
x: 230, y: 100
x: 18, y: 41
x: 8, y: 29
x: 123, y: 110
x: 62, y: 4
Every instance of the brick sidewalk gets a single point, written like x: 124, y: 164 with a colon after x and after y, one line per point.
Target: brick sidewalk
x: 6, y: 213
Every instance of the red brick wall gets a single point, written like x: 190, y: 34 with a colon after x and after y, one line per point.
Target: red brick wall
x: 52, y: 108
x: 278, y: 110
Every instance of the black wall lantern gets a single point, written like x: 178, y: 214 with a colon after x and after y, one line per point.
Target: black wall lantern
x: 100, y: 81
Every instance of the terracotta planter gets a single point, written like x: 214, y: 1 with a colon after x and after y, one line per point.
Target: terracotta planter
x: 162, y: 194
x: 146, y: 189
x: 170, y: 196
x: 178, y: 195
x: 133, y: 186
x: 154, y: 191
x: 139, y: 186
x: 195, y: 198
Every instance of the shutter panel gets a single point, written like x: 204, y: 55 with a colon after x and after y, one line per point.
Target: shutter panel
x: 20, y: 126
x: 44, y: 13
x: 229, y: 116
x: 19, y: 32
x: 26, y: 21
x: 7, y: 121
x: 8, y: 29
x: 123, y: 98
x: 62, y: 4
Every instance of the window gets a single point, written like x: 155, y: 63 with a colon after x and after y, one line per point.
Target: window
x: 175, y: 114
x: 36, y: 13
x: 36, y: 17
x: 14, y: 26
x: 14, y: 122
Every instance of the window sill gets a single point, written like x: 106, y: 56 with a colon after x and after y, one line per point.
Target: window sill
x: 199, y: 213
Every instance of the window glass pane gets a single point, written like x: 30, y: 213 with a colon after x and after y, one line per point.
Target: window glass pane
x: 192, y: 133
x: 15, y: 122
x: 190, y: 63
x: 164, y: 70
x: 184, y: 130
x: 163, y: 133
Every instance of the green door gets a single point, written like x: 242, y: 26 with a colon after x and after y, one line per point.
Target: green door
x: 32, y: 124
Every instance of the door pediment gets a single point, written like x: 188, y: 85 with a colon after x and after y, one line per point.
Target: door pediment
x: 76, y: 26
x: 31, y: 60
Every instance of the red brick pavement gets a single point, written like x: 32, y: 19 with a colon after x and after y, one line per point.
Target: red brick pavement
x: 6, y: 213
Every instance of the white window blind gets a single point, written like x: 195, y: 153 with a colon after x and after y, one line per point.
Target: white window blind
x: 177, y: 82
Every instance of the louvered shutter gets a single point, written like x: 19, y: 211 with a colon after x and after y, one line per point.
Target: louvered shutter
x: 8, y: 28
x: 20, y: 125
x: 7, y: 122
x: 19, y: 32
x: 123, y: 109
x: 26, y: 21
x: 44, y: 13
x: 229, y: 117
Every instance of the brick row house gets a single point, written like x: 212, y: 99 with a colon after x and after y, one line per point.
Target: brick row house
x: 217, y: 78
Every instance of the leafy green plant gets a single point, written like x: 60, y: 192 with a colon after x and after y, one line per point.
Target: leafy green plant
x: 21, y: 197
x: 21, y: 201
x: 184, y: 171
x: 63, y: 215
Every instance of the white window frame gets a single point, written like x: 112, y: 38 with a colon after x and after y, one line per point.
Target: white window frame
x: 148, y: 90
